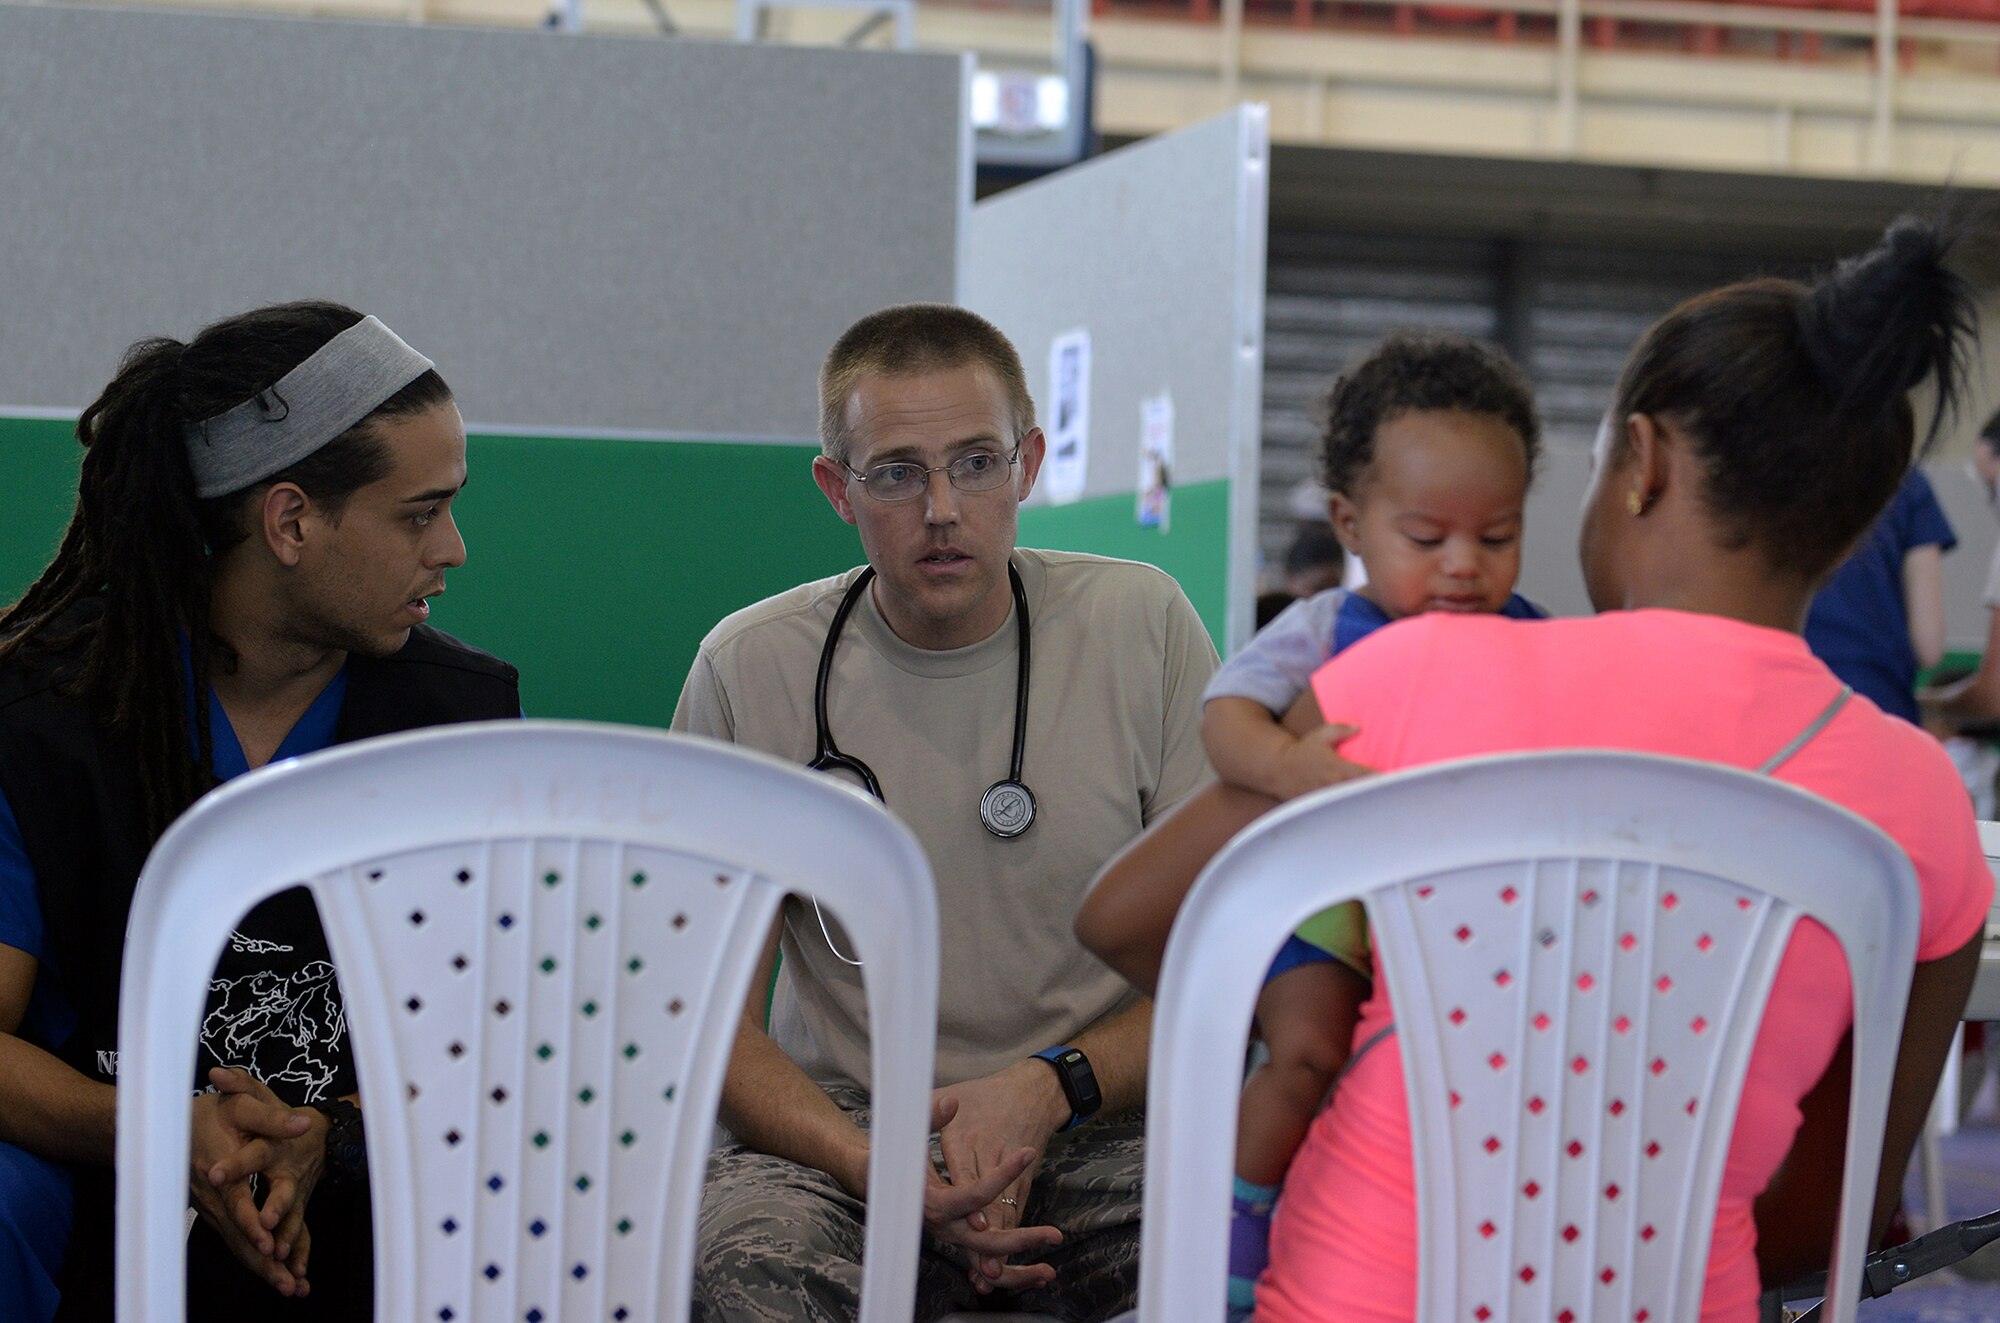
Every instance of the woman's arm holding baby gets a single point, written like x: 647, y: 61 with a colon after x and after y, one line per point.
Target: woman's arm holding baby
x: 1131, y: 907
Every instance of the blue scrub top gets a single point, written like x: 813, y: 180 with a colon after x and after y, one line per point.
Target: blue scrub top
x: 1360, y: 617
x: 49, y: 1021
x: 1859, y: 624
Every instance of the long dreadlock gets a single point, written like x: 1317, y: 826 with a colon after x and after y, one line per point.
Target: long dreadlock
x: 143, y: 545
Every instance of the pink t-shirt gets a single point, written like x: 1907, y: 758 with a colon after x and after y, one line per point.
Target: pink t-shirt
x: 1434, y: 687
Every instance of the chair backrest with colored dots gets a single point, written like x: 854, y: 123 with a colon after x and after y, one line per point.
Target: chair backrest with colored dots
x: 1578, y: 947
x: 545, y: 934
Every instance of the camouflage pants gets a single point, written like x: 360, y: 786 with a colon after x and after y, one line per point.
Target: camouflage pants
x: 780, y: 1242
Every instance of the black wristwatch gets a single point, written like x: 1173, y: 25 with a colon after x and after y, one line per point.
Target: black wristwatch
x: 1079, y: 1082
x: 346, y: 1166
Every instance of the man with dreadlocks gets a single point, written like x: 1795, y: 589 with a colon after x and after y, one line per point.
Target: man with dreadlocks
x: 262, y: 514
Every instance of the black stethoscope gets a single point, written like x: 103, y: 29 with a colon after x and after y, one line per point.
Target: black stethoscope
x: 1008, y: 807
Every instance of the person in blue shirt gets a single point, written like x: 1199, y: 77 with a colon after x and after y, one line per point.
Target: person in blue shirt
x: 1973, y: 703
x: 263, y: 513
x: 1880, y: 618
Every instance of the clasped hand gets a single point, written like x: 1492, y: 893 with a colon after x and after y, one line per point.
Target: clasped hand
x: 244, y: 1130
x: 991, y: 1132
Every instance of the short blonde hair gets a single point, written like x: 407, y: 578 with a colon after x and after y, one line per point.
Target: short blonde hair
x: 908, y: 340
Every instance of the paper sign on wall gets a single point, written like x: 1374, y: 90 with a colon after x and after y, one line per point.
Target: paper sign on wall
x: 1156, y: 461
x: 1068, y: 415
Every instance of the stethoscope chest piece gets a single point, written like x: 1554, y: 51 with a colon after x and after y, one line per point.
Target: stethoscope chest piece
x: 1007, y: 808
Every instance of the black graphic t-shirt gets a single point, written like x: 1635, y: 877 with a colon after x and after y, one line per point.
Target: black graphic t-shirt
x: 274, y: 1006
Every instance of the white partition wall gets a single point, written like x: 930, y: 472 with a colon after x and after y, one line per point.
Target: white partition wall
x: 1155, y: 254
x: 604, y: 243
x: 591, y: 232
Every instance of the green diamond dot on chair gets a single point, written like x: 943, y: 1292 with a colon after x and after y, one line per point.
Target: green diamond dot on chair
x: 594, y: 922
x: 590, y: 1008
x: 635, y: 964
x: 582, y: 1184
x: 624, y: 1226
x: 628, y: 1139
x: 638, y: 879
x: 585, y: 1095
x: 541, y: 1139
x: 550, y: 879
x: 548, y: 964
x: 545, y: 1051
x: 669, y: 1094
x: 631, y: 1050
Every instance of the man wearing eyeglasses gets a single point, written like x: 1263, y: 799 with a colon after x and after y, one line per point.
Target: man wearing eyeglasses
x: 929, y: 446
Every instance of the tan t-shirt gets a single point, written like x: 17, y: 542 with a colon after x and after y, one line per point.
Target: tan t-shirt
x: 1119, y: 660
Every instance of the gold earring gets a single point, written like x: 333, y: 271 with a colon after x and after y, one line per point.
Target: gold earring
x: 1635, y: 503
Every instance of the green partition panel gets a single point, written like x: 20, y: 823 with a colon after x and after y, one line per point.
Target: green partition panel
x: 597, y: 565
x: 39, y: 459
x: 1195, y: 551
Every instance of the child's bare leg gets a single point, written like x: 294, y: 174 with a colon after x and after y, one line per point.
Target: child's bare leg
x: 1307, y: 1016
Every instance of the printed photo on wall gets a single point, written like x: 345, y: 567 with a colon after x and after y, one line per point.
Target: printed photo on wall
x: 1156, y: 462
x: 1069, y: 415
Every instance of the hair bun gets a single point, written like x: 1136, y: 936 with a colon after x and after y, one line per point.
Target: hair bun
x: 1882, y: 323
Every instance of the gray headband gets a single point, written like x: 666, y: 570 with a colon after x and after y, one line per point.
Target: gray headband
x: 346, y: 380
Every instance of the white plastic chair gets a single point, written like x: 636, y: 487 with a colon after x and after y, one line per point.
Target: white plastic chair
x: 545, y: 933
x: 1578, y: 947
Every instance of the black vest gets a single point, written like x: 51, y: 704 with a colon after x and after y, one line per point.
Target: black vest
x: 74, y: 787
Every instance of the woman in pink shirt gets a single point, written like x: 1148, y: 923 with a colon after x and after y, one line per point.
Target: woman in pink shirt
x: 1757, y: 431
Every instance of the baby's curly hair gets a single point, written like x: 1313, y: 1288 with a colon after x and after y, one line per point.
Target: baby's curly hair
x: 1413, y: 370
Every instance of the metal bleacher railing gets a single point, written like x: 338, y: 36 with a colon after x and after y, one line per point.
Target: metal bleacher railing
x: 1797, y: 27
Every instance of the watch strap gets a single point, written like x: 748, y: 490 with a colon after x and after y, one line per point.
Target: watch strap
x: 346, y: 1164
x: 1078, y: 1081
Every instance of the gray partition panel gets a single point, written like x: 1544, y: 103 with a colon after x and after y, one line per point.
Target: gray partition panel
x: 1157, y: 250
x: 1140, y: 249
x: 1967, y: 566
x: 584, y: 232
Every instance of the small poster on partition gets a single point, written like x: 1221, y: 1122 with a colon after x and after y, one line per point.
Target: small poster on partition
x: 1156, y: 461
x: 1068, y: 415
